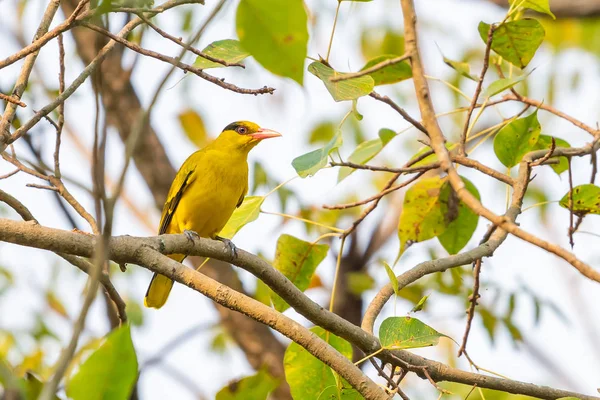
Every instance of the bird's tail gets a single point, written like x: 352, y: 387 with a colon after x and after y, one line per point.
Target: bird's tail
x: 160, y: 287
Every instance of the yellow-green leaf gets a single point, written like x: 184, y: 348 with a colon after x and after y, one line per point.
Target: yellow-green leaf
x: 501, y: 85
x: 276, y: 34
x: 349, y: 89
x: 517, y: 139
x: 407, y: 333
x: 255, y: 387
x: 322, y: 132
x: 545, y: 142
x: 393, y: 278
x: 110, y: 372
x: 377, y: 41
x: 228, y: 50
x: 541, y: 6
x: 420, y: 305
x: 462, y: 68
x: 247, y: 212
x: 390, y: 74
x: 297, y: 260
x: 193, y: 126
x: 311, y: 162
x: 461, y: 220
x: 586, y: 199
x: 421, y: 218
x: 307, y: 375
x: 516, y: 41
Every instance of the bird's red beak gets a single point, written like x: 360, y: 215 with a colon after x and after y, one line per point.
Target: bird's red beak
x: 263, y: 133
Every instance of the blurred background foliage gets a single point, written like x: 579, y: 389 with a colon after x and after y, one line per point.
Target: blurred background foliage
x: 28, y: 351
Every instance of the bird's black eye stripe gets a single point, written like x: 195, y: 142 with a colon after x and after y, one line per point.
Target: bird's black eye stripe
x: 237, y: 127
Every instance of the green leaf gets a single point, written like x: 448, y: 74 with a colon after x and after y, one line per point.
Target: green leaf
x: 432, y: 158
x: 310, y: 163
x: 135, y: 314
x: 407, y: 333
x: 322, y: 132
x: 307, y: 375
x: 276, y: 34
x: 489, y: 322
x: 297, y: 260
x: 516, y: 41
x: 110, y: 372
x: 459, y: 230
x: 247, y: 212
x: 359, y: 282
x: 377, y: 40
x: 349, y: 89
x: 355, y: 112
x: 193, y: 126
x: 390, y: 74
x: 420, y: 305
x: 255, y: 387
x: 421, y: 216
x: 586, y: 199
x: 545, y: 142
x: 517, y: 139
x: 541, y: 6
x: 228, y: 50
x: 462, y: 68
x: 393, y: 278
x: 501, y: 85
x: 365, y: 151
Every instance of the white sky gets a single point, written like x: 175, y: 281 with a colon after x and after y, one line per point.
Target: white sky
x: 293, y: 110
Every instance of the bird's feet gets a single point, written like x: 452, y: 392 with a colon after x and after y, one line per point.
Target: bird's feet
x: 190, y: 235
x: 229, y: 244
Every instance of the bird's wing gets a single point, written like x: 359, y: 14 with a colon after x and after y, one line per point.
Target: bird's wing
x: 181, y: 182
x: 241, y: 200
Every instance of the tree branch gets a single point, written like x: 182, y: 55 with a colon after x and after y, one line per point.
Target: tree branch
x: 146, y: 252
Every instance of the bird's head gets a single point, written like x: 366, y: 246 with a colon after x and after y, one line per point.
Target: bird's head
x: 245, y: 134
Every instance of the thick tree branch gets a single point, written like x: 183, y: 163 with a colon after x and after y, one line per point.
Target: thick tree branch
x: 143, y: 251
x: 146, y: 252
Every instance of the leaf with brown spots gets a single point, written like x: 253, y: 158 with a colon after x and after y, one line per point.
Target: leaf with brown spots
x: 422, y: 217
x: 297, y: 260
x: 586, y: 200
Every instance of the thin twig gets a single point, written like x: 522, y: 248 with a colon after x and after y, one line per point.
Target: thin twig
x: 23, y: 78
x: 91, y: 67
x: 44, y: 187
x: 386, y: 190
x: 400, y: 110
x: 61, y: 107
x: 486, y: 62
x: 185, y: 46
x: 552, y: 110
x: 177, y: 63
x: 571, y: 226
x: 11, y: 99
x: 374, y: 68
x: 473, y: 303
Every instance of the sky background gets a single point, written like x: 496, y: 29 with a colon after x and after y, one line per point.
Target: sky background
x: 293, y: 110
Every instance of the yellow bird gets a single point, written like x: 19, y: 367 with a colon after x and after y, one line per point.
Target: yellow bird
x: 208, y: 187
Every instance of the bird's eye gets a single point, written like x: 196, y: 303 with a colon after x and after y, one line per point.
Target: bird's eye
x: 242, y: 130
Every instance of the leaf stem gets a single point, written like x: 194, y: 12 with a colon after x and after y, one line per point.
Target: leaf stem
x: 337, y: 272
x: 308, y: 221
x: 337, y: 11
x: 369, y: 356
x: 276, y: 188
